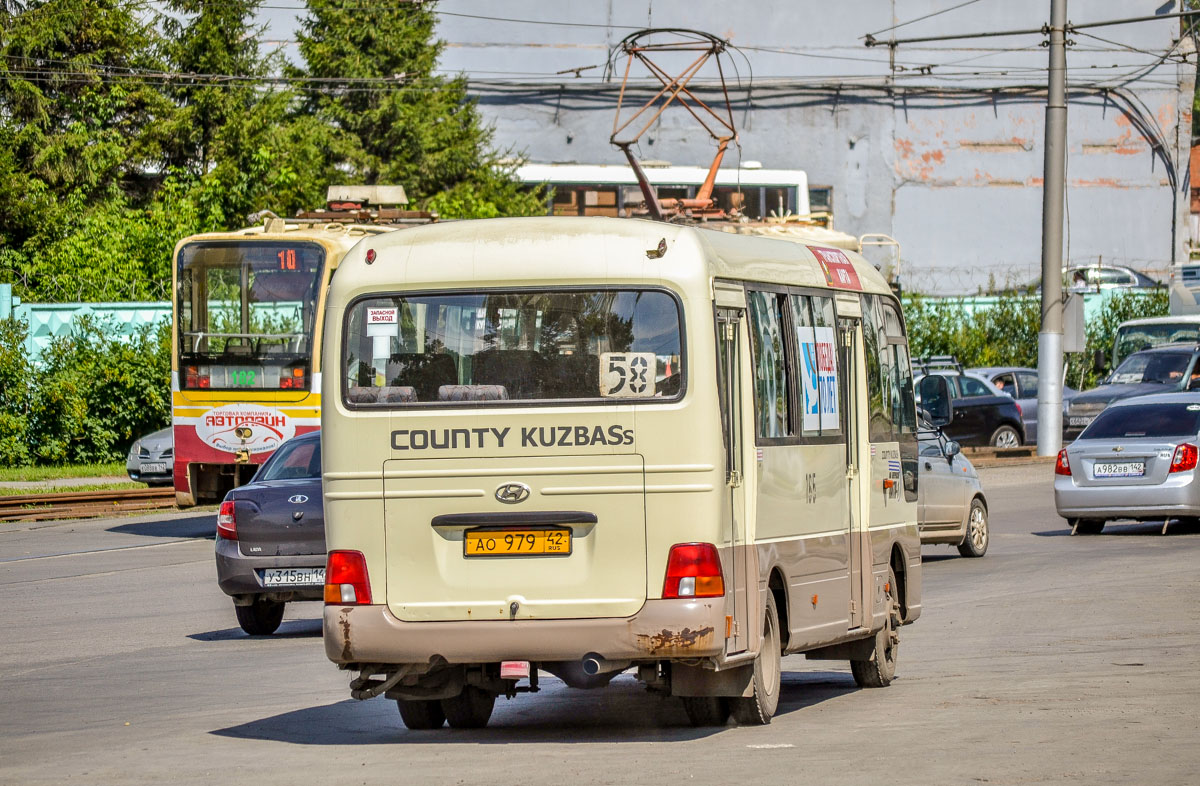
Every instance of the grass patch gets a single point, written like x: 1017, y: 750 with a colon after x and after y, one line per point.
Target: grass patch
x: 70, y: 471
x: 14, y: 492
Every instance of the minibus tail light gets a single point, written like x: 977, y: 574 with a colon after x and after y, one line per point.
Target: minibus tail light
x: 1184, y: 458
x: 1062, y: 466
x: 227, y: 521
x: 346, y: 582
x: 693, y: 571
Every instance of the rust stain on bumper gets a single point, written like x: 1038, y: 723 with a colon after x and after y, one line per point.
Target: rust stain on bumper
x: 682, y: 642
x: 344, y: 624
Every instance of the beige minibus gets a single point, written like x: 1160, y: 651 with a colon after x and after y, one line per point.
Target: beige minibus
x: 581, y: 446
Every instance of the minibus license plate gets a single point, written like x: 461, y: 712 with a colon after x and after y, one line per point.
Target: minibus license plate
x: 293, y: 577
x: 1124, y: 469
x: 1080, y: 421
x: 516, y: 542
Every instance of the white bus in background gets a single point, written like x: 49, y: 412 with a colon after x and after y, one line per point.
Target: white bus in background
x: 611, y: 189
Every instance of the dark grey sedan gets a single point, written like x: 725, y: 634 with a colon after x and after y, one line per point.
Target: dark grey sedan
x: 271, y: 536
x: 1158, y: 370
x: 1022, y: 384
x: 1136, y: 460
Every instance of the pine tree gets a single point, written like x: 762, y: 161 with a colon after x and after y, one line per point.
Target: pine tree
x: 224, y: 133
x: 405, y: 125
x: 77, y: 113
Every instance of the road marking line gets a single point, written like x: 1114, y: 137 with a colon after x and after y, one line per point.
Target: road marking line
x: 100, y: 551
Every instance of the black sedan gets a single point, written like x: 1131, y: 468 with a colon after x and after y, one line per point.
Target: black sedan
x: 271, y: 537
x: 983, y: 415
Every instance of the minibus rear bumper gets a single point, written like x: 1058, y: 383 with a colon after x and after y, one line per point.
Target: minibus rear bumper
x: 662, y: 629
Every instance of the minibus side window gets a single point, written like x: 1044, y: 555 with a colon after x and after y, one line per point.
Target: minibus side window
x: 875, y: 340
x: 816, y: 353
x: 898, y: 385
x: 771, y: 391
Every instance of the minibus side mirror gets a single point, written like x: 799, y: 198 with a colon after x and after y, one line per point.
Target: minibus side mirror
x: 934, y: 392
x: 1099, y: 361
x: 951, y: 450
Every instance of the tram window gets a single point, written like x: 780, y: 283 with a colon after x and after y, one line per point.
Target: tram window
x: 820, y: 199
x: 770, y: 364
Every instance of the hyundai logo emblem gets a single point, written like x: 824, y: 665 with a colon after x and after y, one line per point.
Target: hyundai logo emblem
x: 297, y: 499
x: 512, y: 493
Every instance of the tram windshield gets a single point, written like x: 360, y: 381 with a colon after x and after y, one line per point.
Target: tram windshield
x: 526, y: 346
x: 246, y: 314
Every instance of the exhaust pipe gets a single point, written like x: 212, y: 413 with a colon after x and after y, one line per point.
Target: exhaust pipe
x: 594, y: 664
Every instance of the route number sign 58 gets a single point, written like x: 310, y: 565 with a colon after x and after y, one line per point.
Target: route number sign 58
x: 627, y: 374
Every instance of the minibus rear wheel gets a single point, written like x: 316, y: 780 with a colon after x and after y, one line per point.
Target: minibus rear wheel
x: 421, y: 714
x: 878, y: 670
x: 470, y: 709
x: 706, y: 710
x: 758, y: 708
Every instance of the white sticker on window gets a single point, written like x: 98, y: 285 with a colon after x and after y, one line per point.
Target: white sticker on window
x: 383, y: 321
x: 627, y: 374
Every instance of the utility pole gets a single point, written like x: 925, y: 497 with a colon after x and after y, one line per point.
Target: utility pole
x: 1050, y: 338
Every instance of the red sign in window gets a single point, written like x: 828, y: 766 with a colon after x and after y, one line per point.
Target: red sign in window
x: 839, y: 270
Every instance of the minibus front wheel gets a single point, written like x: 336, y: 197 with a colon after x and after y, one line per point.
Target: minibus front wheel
x: 878, y: 670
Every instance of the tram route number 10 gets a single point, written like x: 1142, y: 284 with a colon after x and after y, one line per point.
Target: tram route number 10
x: 287, y: 259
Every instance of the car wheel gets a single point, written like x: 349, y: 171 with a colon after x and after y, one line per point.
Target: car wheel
x: 470, y: 709
x: 1005, y: 437
x: 758, y: 708
x: 1087, y: 526
x: 975, y: 542
x: 878, y: 670
x: 421, y: 714
x: 706, y: 710
x: 260, y: 618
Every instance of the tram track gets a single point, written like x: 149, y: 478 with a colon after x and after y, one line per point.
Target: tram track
x: 83, y: 504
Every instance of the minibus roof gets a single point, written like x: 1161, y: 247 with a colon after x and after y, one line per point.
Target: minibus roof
x: 564, y: 250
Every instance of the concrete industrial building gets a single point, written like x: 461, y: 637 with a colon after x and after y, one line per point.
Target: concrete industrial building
x: 939, y: 144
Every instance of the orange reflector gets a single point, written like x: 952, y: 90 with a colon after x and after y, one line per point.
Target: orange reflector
x: 889, y: 483
x: 728, y: 626
x: 814, y: 600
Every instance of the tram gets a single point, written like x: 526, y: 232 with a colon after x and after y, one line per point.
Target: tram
x: 247, y: 316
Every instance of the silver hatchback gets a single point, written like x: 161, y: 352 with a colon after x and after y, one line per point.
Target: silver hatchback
x: 1136, y: 460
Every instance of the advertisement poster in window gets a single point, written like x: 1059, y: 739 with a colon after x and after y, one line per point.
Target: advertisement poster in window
x: 818, y: 365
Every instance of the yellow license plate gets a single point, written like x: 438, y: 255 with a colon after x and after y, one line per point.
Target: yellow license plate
x: 516, y: 542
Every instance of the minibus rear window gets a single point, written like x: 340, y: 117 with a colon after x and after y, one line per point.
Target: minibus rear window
x: 552, y: 345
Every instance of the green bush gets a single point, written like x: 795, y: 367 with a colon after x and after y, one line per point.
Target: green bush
x: 90, y: 395
x: 16, y: 389
x: 1006, y: 334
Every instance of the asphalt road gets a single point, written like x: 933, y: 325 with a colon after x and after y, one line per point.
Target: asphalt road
x: 1053, y: 659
